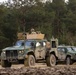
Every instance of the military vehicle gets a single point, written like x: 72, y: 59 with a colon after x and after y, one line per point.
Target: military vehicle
x: 35, y: 48
x: 67, y: 54
x: 74, y: 48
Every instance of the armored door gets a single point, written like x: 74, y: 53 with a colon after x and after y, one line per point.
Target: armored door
x: 40, y: 50
x: 61, y: 53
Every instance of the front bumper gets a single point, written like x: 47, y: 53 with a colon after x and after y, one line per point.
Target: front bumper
x: 11, y: 59
x: 13, y: 55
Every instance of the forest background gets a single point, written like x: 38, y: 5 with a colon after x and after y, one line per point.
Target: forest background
x: 55, y: 18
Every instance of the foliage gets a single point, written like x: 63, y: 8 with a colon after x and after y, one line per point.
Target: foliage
x: 55, y: 18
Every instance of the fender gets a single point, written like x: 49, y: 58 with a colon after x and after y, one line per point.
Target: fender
x: 70, y: 55
x: 28, y: 52
x: 55, y: 51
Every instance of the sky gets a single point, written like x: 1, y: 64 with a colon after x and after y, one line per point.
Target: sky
x: 2, y: 0
x: 6, y: 0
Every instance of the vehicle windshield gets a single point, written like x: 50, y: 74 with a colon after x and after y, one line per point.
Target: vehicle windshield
x: 74, y: 48
x: 21, y: 43
x: 69, y: 49
x: 28, y: 43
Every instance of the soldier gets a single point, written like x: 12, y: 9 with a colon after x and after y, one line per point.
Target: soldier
x: 33, y: 31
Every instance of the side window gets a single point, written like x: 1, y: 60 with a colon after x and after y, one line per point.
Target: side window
x: 53, y: 44
x: 42, y: 44
x: 38, y: 44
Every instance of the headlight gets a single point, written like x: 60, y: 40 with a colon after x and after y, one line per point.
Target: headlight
x: 21, y: 51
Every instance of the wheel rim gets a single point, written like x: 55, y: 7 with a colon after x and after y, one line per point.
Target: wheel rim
x: 52, y: 60
x: 31, y: 61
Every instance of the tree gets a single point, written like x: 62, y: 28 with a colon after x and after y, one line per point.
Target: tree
x: 55, y: 18
x: 60, y: 10
x: 72, y: 5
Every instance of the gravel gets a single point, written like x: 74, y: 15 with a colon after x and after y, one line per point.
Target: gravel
x: 58, y: 70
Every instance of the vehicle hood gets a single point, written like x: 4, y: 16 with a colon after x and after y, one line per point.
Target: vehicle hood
x: 74, y: 52
x: 16, y: 48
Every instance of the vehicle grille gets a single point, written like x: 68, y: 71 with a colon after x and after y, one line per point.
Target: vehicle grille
x: 11, y: 53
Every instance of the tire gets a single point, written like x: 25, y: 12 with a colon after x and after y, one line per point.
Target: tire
x: 5, y: 63
x: 51, y: 60
x: 30, y: 61
x: 68, y: 61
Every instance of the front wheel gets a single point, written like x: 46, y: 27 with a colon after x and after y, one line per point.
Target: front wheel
x: 30, y: 61
x: 51, y: 60
x: 68, y: 61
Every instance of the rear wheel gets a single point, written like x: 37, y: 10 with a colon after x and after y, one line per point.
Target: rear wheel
x: 51, y: 60
x: 5, y: 63
x: 30, y: 61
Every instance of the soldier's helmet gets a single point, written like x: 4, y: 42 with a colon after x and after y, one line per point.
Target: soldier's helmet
x: 33, y: 31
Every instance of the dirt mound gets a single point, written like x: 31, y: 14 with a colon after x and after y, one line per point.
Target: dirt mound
x: 39, y: 71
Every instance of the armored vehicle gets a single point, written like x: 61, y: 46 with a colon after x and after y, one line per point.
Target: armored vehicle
x: 26, y: 51
x: 73, y: 47
x: 67, y: 54
x: 34, y: 49
x: 17, y: 53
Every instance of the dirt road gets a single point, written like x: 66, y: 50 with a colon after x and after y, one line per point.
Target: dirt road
x: 38, y: 65
x: 17, y: 66
x: 39, y: 69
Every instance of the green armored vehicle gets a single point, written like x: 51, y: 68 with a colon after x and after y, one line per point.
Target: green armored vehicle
x: 67, y: 54
x: 61, y: 53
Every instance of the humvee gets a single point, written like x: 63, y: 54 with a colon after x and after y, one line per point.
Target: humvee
x: 34, y: 49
